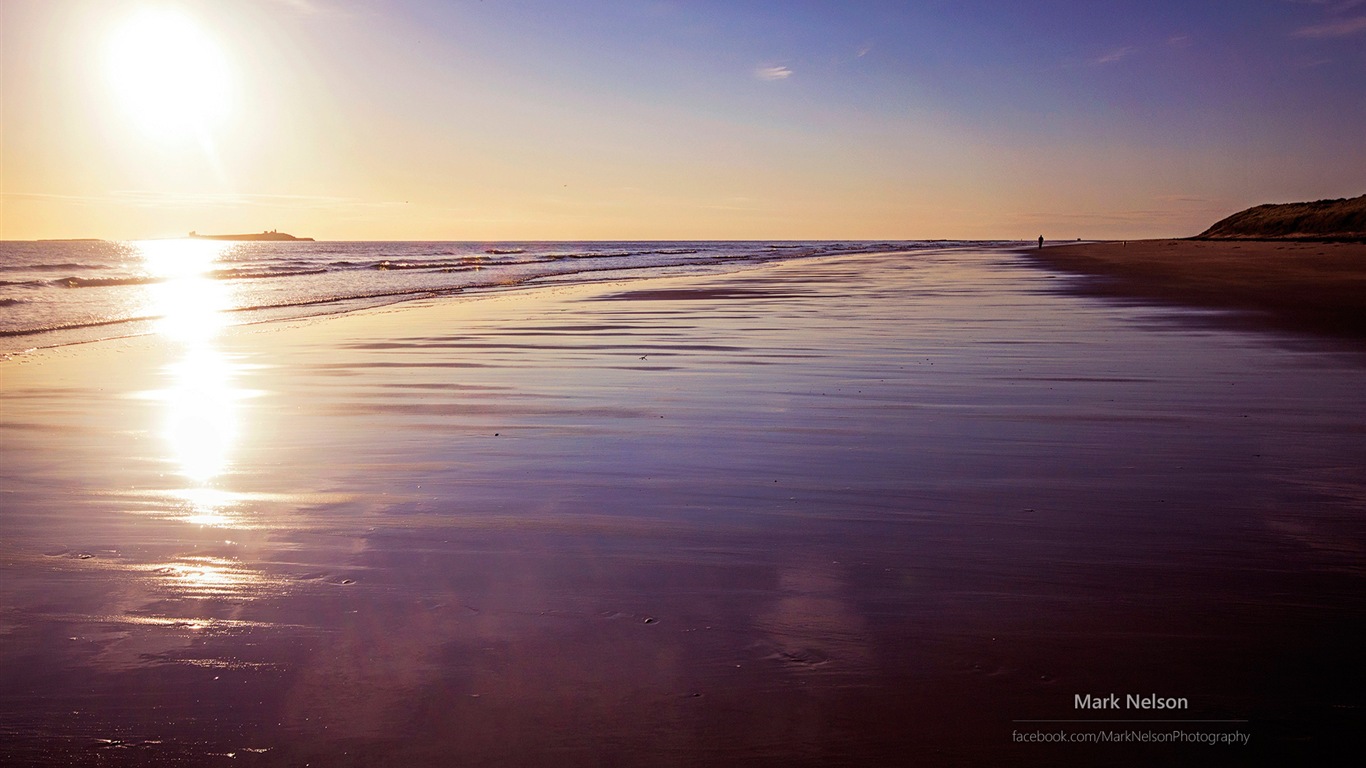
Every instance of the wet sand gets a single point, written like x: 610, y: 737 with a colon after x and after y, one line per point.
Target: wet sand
x: 1304, y: 286
x: 868, y: 510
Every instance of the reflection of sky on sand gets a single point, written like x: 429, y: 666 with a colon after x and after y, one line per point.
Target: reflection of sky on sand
x: 811, y: 626
x: 929, y: 512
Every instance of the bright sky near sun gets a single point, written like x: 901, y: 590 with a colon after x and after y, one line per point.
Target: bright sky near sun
x: 405, y: 119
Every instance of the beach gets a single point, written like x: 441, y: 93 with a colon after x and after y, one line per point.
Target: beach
x: 1317, y: 287
x: 866, y: 509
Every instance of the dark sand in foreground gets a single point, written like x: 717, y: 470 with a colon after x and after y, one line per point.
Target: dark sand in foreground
x: 869, y: 510
x: 1316, y: 287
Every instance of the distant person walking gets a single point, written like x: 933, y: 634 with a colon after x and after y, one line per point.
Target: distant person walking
x: 1040, y: 241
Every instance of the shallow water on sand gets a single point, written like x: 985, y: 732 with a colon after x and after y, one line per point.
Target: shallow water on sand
x: 842, y: 511
x: 71, y: 291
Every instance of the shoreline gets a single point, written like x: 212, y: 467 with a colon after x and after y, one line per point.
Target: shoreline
x: 836, y: 511
x: 246, y: 298
x: 1309, y: 287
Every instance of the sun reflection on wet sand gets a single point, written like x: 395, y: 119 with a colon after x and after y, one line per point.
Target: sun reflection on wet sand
x: 201, y: 415
x: 206, y: 577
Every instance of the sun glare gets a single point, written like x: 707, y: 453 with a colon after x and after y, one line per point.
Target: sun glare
x: 168, y: 72
x: 201, y: 399
x: 180, y: 258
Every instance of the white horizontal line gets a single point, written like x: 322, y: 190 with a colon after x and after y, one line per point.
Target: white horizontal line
x: 1128, y: 721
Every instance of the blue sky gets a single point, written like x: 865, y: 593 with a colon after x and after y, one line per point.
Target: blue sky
x: 708, y: 119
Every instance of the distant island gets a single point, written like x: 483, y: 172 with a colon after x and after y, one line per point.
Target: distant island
x: 1341, y: 219
x: 272, y: 235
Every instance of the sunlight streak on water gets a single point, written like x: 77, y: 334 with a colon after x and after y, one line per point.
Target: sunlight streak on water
x: 201, y: 403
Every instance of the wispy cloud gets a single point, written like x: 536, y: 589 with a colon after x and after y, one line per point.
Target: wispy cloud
x: 76, y: 199
x: 149, y: 199
x: 1180, y: 198
x: 322, y: 8
x: 1179, y: 41
x: 1118, y: 54
x: 734, y: 203
x: 260, y: 200
x: 1337, y: 28
x: 1333, y: 6
x: 1178, y: 216
x: 772, y: 73
x: 1033, y: 218
x: 858, y: 53
x: 302, y: 6
x: 1178, y: 210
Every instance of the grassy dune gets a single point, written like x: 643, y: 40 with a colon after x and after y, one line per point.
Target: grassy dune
x: 1342, y: 219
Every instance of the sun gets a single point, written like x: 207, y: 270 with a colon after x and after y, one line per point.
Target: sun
x: 169, y: 74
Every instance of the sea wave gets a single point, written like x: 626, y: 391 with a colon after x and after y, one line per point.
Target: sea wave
x: 270, y: 282
x: 10, y: 332
x: 623, y: 254
x: 41, y: 267
x: 104, y: 282
x: 339, y: 298
x: 243, y: 273
x: 385, y: 266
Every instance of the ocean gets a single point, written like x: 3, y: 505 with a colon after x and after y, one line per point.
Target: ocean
x: 63, y: 292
